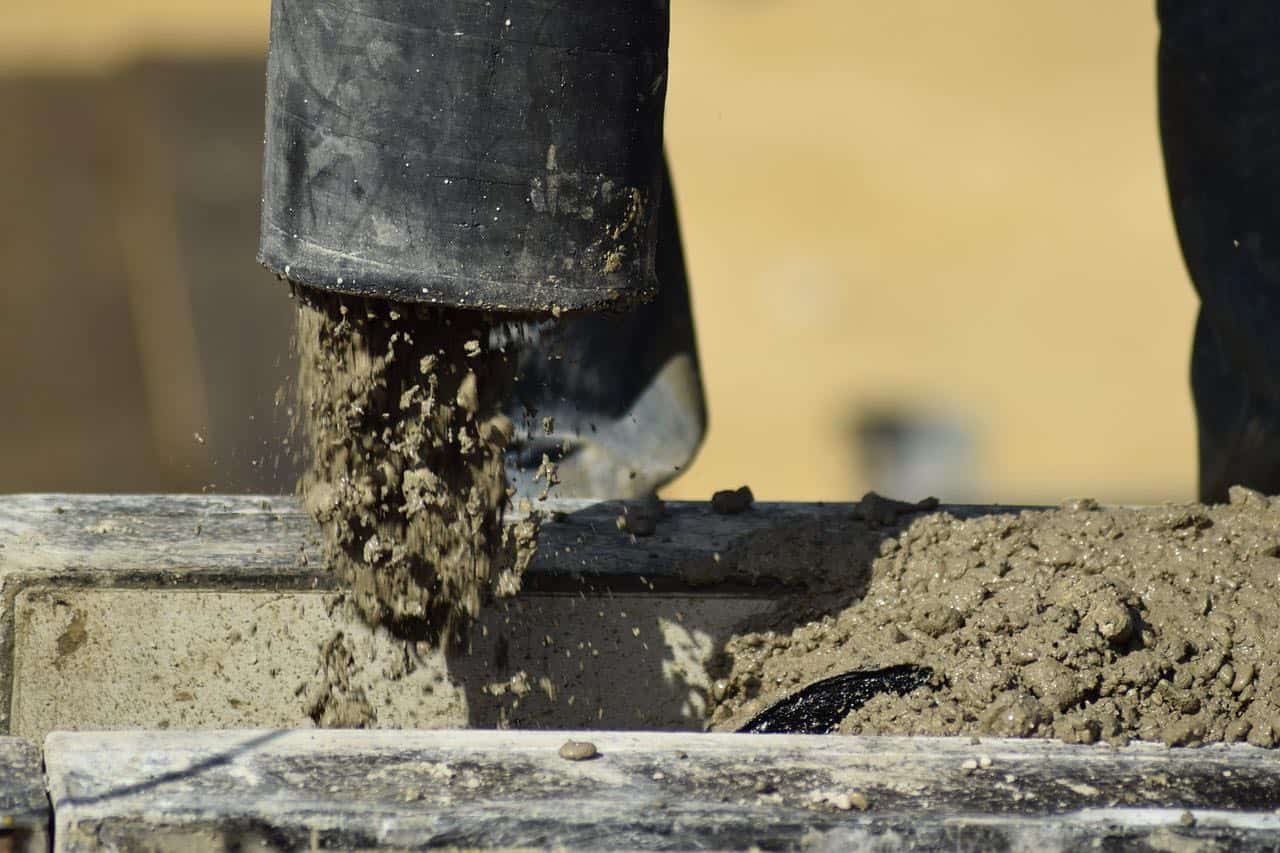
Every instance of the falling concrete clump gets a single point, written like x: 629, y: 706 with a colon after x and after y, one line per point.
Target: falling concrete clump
x: 1079, y: 623
x: 401, y: 412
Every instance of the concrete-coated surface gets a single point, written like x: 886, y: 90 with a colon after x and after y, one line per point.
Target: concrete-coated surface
x: 396, y: 790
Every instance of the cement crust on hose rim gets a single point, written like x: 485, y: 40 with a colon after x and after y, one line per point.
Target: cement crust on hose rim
x: 1079, y: 623
x: 312, y: 265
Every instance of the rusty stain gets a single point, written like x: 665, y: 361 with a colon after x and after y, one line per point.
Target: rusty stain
x: 72, y: 638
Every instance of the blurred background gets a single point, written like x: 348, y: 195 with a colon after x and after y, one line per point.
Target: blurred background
x: 929, y: 247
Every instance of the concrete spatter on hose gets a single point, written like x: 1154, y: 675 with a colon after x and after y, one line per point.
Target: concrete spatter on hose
x: 401, y: 414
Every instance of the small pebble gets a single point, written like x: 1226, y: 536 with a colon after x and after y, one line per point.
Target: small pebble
x: 1187, y: 819
x: 969, y: 765
x: 578, y: 750
x: 984, y: 761
x: 840, y: 801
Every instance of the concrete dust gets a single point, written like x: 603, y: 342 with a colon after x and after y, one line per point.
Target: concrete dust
x: 1079, y: 623
x: 401, y: 409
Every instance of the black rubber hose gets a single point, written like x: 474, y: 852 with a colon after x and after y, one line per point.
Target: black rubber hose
x: 819, y: 708
x: 505, y: 156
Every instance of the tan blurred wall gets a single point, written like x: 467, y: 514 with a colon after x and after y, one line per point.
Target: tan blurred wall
x: 85, y: 35
x: 952, y: 207
x: 959, y: 204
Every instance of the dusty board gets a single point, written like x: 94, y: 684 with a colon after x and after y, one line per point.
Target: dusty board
x: 24, y: 807
x: 185, y: 539
x: 649, y: 791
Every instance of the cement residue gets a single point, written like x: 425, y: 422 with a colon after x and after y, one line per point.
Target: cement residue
x: 1077, y: 623
x: 402, y: 413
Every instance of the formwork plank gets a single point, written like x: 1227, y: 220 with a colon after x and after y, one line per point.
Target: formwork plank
x: 24, y: 807
x: 186, y: 538
x: 402, y: 789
